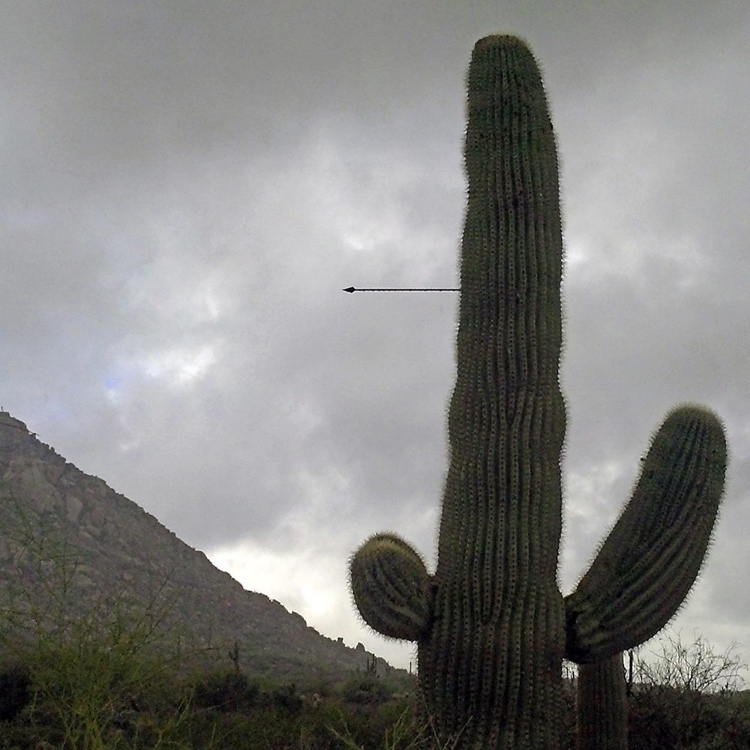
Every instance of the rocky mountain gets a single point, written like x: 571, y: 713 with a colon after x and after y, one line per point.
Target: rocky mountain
x: 73, y: 550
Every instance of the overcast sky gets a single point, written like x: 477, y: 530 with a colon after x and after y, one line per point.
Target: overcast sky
x: 187, y: 187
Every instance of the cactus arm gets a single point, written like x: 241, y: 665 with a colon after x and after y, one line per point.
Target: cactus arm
x: 391, y: 587
x: 602, y: 706
x: 652, y: 556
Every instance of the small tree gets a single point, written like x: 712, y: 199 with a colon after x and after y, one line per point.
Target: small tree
x: 684, y: 695
x: 693, y: 667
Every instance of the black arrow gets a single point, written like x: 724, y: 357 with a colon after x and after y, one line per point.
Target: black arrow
x: 352, y: 289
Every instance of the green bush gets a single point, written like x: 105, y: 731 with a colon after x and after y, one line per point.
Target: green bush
x: 229, y: 692
x: 365, y: 688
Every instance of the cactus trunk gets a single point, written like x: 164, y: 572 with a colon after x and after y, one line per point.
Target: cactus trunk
x: 491, y: 668
x: 602, y: 706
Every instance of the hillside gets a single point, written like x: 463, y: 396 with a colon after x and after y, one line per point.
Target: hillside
x: 70, y: 547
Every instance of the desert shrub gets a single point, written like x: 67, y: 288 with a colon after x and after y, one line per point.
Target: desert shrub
x: 94, y: 675
x: 227, y: 692
x: 686, y: 695
x: 364, y: 688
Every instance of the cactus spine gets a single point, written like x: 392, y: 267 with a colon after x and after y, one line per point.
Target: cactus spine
x: 490, y: 624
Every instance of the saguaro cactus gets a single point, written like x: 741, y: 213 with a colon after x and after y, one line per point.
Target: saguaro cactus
x: 490, y: 624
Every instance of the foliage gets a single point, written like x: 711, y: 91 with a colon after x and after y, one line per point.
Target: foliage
x: 687, y: 695
x: 226, y: 692
x: 365, y: 688
x: 89, y: 673
x: 691, y: 667
x: 120, y: 696
x: 15, y: 691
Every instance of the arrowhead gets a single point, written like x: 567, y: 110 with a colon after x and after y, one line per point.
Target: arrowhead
x: 349, y: 289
